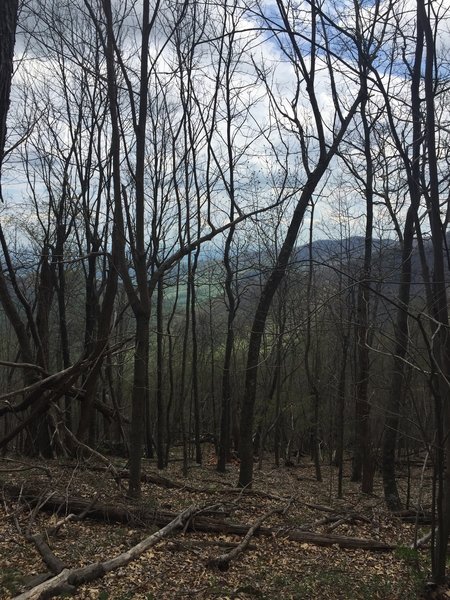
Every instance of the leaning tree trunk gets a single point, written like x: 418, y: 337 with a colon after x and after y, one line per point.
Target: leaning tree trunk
x: 314, y: 175
x: 262, y: 310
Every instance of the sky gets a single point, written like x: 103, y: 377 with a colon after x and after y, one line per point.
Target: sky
x: 271, y: 110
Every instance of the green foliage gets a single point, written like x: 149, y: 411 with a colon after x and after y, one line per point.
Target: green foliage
x: 412, y: 560
x: 337, y: 583
x: 409, y: 555
x: 10, y: 581
x: 310, y: 583
x: 104, y: 595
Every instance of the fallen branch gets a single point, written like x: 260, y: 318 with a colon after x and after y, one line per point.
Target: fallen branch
x: 69, y: 579
x: 334, y: 521
x: 321, y: 507
x: 165, y: 482
x: 423, y: 540
x: 17, y: 365
x: 39, y: 540
x: 54, y: 563
x: 222, y: 562
x: 350, y: 519
x: 110, y: 468
x: 26, y: 467
x: 40, y: 385
x: 22, y: 470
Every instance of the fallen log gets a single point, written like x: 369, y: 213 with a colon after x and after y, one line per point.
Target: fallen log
x: 103, y: 512
x: 165, y: 482
x: 412, y: 516
x: 145, y: 516
x: 319, y: 539
x: 69, y: 579
x: 181, y: 545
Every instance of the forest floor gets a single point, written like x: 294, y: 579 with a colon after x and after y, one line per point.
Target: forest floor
x: 273, y: 567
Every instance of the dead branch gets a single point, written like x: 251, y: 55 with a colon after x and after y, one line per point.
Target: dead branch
x: 321, y: 507
x: 40, y: 400
x: 222, y: 562
x: 39, y: 540
x: 42, y: 385
x: 167, y: 483
x: 27, y: 467
x: 85, y: 448
x: 69, y: 579
x: 413, y: 516
x: 423, y: 540
x: 54, y: 563
x: 21, y: 365
x: 72, y: 517
x: 178, y: 545
x: 351, y: 519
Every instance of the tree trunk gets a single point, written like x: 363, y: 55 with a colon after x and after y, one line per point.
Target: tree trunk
x: 440, y: 306
x: 363, y: 459
x: 90, y: 336
x: 194, y: 388
x: 342, y: 386
x: 391, y: 494
x: 310, y: 375
x: 8, y: 23
x: 326, y: 153
x: 138, y: 402
x: 160, y: 450
x: 225, y: 416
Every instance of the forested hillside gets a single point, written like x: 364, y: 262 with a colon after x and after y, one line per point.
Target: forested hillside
x: 223, y: 285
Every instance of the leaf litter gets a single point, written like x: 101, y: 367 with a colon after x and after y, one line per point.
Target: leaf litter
x: 271, y: 568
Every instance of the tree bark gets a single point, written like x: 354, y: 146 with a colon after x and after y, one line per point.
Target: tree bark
x: 160, y: 424
x: 138, y: 402
x: 363, y: 459
x: 8, y: 24
x: 225, y: 416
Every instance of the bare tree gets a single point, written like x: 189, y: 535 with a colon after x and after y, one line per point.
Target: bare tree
x: 315, y: 163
